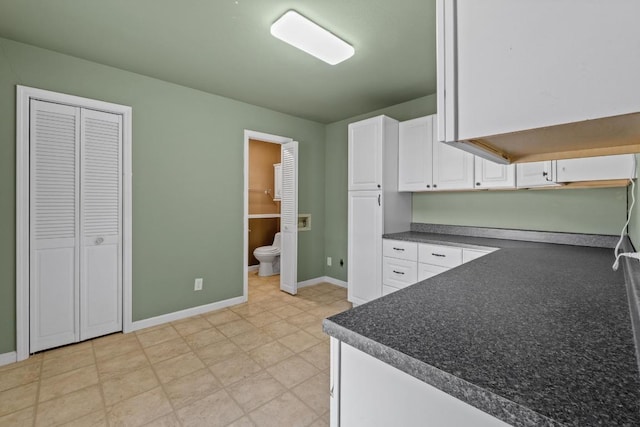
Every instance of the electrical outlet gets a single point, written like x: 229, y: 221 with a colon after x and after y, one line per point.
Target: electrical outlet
x: 198, y: 285
x: 329, y: 261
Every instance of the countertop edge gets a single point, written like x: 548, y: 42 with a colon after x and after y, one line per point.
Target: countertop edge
x: 478, y: 397
x: 631, y: 268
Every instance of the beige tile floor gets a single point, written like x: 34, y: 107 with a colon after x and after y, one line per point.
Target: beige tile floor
x: 263, y: 363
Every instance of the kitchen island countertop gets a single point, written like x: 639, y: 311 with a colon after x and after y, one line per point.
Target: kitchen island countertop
x: 534, y: 333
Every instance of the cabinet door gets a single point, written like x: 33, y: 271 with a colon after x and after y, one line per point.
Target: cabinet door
x: 415, y: 167
x: 505, y: 75
x: 365, y: 246
x: 452, y: 168
x: 365, y: 154
x: 493, y: 175
x: 596, y: 168
x: 535, y: 174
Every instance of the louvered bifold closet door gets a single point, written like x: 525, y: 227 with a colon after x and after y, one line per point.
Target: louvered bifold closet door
x: 101, y: 224
x: 289, y: 218
x: 54, y: 209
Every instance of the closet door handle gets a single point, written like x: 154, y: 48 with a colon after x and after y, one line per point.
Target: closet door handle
x: 99, y: 240
x: 379, y: 200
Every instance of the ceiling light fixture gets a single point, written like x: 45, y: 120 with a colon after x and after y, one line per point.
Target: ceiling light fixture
x: 308, y: 36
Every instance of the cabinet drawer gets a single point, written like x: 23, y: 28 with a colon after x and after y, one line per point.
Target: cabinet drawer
x: 444, y: 256
x: 427, y: 270
x: 400, y: 249
x: 386, y: 290
x: 399, y: 273
x: 471, y: 254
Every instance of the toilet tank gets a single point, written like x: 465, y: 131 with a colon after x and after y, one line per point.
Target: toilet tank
x: 276, y: 239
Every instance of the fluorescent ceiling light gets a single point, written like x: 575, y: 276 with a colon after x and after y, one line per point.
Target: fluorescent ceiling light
x: 308, y: 36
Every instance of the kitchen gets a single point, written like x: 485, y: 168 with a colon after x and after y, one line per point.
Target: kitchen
x: 184, y: 148
x: 536, y: 327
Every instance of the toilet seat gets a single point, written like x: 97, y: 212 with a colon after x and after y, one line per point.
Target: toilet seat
x: 267, y: 250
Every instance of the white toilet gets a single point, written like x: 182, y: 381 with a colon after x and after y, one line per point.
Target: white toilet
x: 269, y: 257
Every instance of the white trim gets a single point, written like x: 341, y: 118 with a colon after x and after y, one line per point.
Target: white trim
x: 322, y: 279
x: 23, y: 95
x: 183, y: 314
x: 250, y: 134
x: 253, y: 267
x: 261, y: 216
x: 8, y: 358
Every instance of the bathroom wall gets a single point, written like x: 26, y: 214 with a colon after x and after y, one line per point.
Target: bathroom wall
x: 261, y: 232
x: 262, y: 157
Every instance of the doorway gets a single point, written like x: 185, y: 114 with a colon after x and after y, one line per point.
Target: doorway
x: 73, y: 219
x: 286, y: 219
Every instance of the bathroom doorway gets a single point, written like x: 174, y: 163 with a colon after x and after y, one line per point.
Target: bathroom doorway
x: 270, y: 206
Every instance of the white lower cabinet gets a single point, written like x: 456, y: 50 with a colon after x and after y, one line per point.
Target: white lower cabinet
x: 368, y: 392
x: 406, y: 263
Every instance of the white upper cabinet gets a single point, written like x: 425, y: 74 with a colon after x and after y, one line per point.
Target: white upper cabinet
x: 527, y: 80
x: 596, y: 168
x: 493, y: 175
x: 365, y: 154
x: 536, y: 174
x: 415, y: 171
x: 452, y: 168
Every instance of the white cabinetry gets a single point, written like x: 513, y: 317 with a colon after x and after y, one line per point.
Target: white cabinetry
x: 406, y: 263
x: 493, y: 175
x: 399, y: 265
x: 425, y: 164
x: 596, y: 168
x: 499, y: 74
x: 452, y: 168
x: 415, y: 170
x: 277, y: 181
x: 536, y: 174
x: 369, y: 392
x: 375, y: 205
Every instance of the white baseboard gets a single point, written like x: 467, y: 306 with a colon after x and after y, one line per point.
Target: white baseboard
x: 253, y: 267
x: 323, y: 279
x: 183, y: 314
x: 7, y: 358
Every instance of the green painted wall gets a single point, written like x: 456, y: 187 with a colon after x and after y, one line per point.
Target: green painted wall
x: 599, y: 211
x: 187, y: 180
x: 335, y: 240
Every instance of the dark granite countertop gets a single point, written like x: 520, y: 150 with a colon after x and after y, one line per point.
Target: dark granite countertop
x: 533, y: 334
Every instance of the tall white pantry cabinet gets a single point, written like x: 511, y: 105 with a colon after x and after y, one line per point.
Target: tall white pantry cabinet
x: 75, y: 224
x: 375, y: 205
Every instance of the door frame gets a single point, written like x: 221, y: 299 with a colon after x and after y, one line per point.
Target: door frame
x: 23, y: 95
x: 260, y: 136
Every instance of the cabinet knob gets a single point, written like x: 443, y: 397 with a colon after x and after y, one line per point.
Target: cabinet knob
x: 428, y: 186
x: 435, y: 186
x: 477, y: 184
x: 544, y: 174
x: 378, y: 185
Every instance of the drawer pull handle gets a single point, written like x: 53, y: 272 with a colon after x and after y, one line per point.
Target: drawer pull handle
x: 440, y: 255
x: 398, y: 249
x: 398, y: 272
